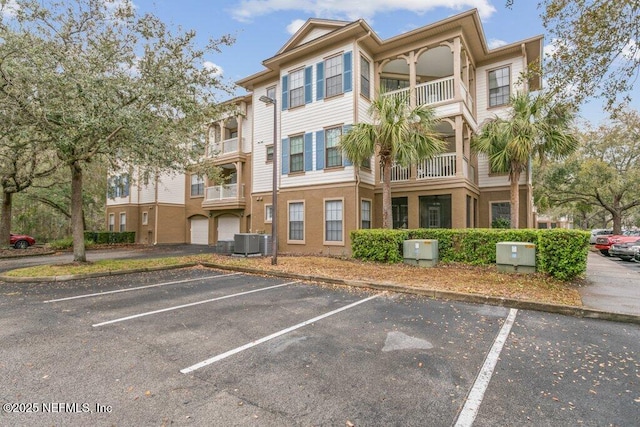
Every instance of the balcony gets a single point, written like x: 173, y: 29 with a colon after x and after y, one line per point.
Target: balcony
x: 441, y: 166
x: 224, y: 148
x: 227, y: 196
x: 435, y: 92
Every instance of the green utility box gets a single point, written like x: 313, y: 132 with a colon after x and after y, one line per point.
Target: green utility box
x: 516, y: 257
x: 423, y: 253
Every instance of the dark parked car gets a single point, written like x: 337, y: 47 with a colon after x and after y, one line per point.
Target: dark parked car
x: 21, y: 241
x: 625, y: 251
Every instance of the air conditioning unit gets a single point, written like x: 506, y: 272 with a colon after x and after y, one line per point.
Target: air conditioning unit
x: 266, y: 247
x: 246, y: 244
x: 516, y: 257
x: 421, y: 252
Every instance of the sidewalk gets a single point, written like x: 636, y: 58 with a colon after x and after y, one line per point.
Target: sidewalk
x: 614, y: 285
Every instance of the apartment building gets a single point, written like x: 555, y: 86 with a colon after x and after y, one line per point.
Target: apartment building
x: 323, y: 80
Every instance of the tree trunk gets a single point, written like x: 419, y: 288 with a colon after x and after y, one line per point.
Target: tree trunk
x: 515, y: 200
x: 77, y: 229
x: 616, y: 216
x: 387, y: 214
x: 5, y: 220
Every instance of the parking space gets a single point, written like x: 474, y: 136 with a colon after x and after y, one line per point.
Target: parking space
x: 199, y: 346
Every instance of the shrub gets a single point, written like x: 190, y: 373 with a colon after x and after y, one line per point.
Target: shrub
x: 66, y: 243
x: 563, y: 253
x: 378, y: 245
x: 110, y: 237
x: 559, y: 253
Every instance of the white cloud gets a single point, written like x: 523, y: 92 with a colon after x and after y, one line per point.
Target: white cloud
x: 217, y: 70
x: 496, y: 43
x: 295, y: 25
x: 246, y: 10
x: 10, y: 9
x: 631, y: 51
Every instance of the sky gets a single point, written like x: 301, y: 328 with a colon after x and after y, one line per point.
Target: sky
x: 262, y: 27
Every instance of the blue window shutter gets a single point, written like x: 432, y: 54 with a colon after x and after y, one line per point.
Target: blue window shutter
x: 320, y: 150
x: 285, y: 156
x: 346, y: 61
x: 319, y: 81
x: 308, y: 85
x: 345, y: 160
x: 308, y: 151
x: 285, y: 92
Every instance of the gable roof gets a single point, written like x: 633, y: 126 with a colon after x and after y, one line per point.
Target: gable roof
x: 316, y: 33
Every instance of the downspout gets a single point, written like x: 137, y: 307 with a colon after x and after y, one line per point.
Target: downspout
x: 155, y: 222
x: 356, y: 119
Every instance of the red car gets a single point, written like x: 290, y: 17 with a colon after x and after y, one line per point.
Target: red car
x: 21, y: 241
x: 603, y: 243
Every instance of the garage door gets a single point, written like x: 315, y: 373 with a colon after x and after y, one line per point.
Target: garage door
x: 228, y: 227
x: 199, y: 231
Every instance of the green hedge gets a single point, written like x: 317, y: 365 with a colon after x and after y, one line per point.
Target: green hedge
x: 560, y: 253
x: 110, y: 237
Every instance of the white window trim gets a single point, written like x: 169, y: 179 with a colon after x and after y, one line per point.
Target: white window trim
x: 145, y: 218
x: 324, y: 222
x: 364, y: 199
x: 304, y: 223
x: 268, y: 220
x: 120, y: 216
x: 489, y: 106
x: 112, y: 222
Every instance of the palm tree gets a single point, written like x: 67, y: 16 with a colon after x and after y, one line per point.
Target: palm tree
x: 535, y: 127
x: 398, y: 134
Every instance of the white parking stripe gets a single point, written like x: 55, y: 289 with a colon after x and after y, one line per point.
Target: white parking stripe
x: 472, y: 405
x: 99, y: 294
x: 177, y: 307
x: 272, y: 336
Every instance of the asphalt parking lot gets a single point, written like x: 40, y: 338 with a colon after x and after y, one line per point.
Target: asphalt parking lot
x: 203, y: 347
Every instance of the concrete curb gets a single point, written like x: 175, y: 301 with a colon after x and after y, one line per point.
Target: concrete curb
x: 580, y: 312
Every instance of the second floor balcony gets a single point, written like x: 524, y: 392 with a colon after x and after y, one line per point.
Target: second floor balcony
x: 226, y: 147
x: 438, y: 167
x: 226, y: 196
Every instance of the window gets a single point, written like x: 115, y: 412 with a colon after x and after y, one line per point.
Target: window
x: 268, y: 213
x: 112, y: 222
x: 333, y: 220
x: 296, y: 221
x: 400, y: 211
x: 333, y: 153
x: 365, y: 85
x: 145, y: 218
x: 197, y: 185
x: 365, y: 214
x: 500, y: 215
x: 269, y: 153
x: 123, y: 221
x: 499, y: 87
x: 296, y: 88
x: 118, y: 186
x: 333, y: 72
x: 389, y: 85
x: 296, y: 157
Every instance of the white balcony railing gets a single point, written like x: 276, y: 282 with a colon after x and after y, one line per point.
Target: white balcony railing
x: 225, y: 147
x: 435, y: 91
x: 441, y: 166
x: 431, y: 92
x: 398, y: 173
x: 225, y: 192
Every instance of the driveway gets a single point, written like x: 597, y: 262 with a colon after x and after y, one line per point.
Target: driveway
x: 203, y: 347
